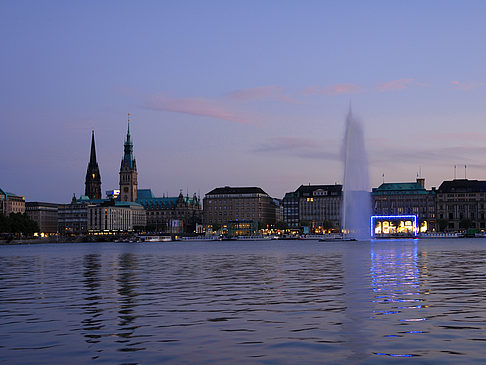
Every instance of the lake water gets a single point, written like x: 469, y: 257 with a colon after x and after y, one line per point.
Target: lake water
x: 273, y: 302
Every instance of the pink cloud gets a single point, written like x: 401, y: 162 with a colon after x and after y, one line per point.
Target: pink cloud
x: 332, y: 89
x: 464, y: 86
x: 197, y: 106
x: 396, y: 84
x: 270, y: 92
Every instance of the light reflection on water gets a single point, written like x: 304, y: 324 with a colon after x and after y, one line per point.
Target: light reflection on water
x: 264, y: 302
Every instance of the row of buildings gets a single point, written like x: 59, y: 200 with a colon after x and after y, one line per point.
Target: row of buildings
x: 456, y: 204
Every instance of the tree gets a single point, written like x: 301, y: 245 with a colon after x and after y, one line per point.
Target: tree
x: 21, y: 224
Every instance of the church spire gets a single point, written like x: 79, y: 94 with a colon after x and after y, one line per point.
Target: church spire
x: 92, y: 157
x: 93, y: 178
x: 128, y: 170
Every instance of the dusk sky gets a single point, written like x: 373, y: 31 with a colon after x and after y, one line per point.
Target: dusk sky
x: 239, y: 93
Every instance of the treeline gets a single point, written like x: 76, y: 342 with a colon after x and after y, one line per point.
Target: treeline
x: 18, y: 223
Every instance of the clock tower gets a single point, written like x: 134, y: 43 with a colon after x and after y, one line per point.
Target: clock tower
x: 93, y: 178
x: 128, y: 171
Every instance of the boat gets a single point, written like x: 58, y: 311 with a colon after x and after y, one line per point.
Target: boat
x: 337, y: 238
x: 156, y: 238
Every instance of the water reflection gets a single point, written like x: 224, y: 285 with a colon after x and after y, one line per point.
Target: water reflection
x: 127, y: 314
x: 267, y: 302
x: 92, y: 322
x: 398, y: 299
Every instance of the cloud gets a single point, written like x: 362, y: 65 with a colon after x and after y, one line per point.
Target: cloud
x: 396, y: 84
x: 443, y: 156
x: 270, y: 92
x: 299, y: 147
x: 464, y: 86
x: 197, y: 106
x: 332, y: 89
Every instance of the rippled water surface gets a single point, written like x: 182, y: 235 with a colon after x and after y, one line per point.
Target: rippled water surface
x: 421, y: 301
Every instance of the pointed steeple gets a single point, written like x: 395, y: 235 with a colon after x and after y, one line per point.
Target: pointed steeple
x: 93, y: 178
x: 92, y: 157
x: 128, y: 170
x: 128, y: 148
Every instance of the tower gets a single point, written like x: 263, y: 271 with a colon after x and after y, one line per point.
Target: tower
x: 128, y: 171
x: 93, y: 179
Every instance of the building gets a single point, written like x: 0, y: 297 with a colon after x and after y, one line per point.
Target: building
x: 242, y: 228
x: 128, y: 172
x: 317, y: 207
x: 290, y: 204
x: 410, y: 198
x: 73, y: 217
x: 178, y: 214
x: 93, y: 178
x: 278, y: 210
x: 11, y: 203
x: 320, y: 207
x: 44, y: 214
x: 115, y: 216
x: 461, y: 205
x: 222, y: 205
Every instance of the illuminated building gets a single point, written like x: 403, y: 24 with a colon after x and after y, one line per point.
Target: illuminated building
x: 178, y: 214
x: 113, y: 216
x: 318, y: 207
x: 409, y: 198
x: 242, y: 228
x: 222, y: 205
x: 383, y: 226
x: 44, y: 214
x: 11, y: 203
x: 93, y: 178
x: 461, y: 205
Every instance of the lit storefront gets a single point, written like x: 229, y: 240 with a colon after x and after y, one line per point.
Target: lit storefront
x: 394, y: 226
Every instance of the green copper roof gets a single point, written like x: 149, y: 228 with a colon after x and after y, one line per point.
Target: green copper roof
x: 400, y: 188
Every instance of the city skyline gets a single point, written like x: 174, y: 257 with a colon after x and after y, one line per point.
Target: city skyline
x: 240, y: 94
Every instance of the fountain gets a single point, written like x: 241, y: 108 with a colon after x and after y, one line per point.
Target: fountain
x: 356, y: 185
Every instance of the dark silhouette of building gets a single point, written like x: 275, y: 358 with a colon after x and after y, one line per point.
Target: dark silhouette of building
x: 461, y: 204
x: 128, y: 172
x: 44, y: 214
x: 93, y: 178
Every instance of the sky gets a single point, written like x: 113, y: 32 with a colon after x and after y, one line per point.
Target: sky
x: 238, y: 93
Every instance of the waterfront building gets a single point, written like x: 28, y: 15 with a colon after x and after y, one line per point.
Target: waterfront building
x: 461, y: 204
x: 11, y: 203
x: 410, y: 198
x: 73, y: 217
x: 44, y: 214
x: 316, y: 207
x: 320, y: 207
x: 278, y: 210
x: 115, y: 216
x: 93, y: 178
x: 242, y: 228
x: 226, y: 204
x: 128, y: 172
x: 290, y: 204
x: 171, y: 214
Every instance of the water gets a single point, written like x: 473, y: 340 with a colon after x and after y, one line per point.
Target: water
x: 356, y: 183
x: 279, y: 302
